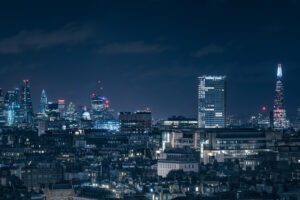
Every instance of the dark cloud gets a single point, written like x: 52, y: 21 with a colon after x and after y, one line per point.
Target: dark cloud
x: 210, y: 49
x: 137, y: 47
x: 39, y: 39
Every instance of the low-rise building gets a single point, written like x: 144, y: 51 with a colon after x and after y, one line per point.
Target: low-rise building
x: 184, y: 159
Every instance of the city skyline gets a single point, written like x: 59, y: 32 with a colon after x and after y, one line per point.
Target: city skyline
x: 98, y: 87
x: 150, y: 100
x: 145, y: 60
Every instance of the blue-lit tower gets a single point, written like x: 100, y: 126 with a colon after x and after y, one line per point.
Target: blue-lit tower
x: 102, y: 116
x: 26, y: 104
x: 12, y: 106
x: 43, y: 102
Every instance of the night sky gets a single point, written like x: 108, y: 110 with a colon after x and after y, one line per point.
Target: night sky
x: 150, y: 53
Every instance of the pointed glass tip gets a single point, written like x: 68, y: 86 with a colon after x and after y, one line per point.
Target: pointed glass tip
x: 279, y: 71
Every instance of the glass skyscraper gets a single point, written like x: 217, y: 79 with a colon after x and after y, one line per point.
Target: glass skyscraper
x: 41, y: 115
x: 43, y: 102
x: 102, y: 115
x: 279, y: 112
x: 26, y: 104
x: 211, y: 101
x: 13, y: 111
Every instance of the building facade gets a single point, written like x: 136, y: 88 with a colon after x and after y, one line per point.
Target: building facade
x: 135, y: 122
x: 26, y: 104
x: 211, y: 101
x: 279, y: 113
x: 184, y: 159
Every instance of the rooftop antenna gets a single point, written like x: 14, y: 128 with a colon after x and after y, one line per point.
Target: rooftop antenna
x: 100, y: 87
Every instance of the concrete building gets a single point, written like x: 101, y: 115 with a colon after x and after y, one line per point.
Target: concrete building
x: 184, y: 159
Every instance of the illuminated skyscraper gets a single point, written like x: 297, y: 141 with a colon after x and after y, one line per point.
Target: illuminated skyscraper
x: 13, y: 112
x: 61, y: 107
x: 53, y: 111
x: 71, y: 112
x: 42, y: 115
x: 43, y: 102
x: 26, y: 103
x: 101, y: 113
x: 211, y: 101
x: 279, y: 112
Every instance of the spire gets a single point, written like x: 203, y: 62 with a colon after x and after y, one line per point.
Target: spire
x: 279, y: 71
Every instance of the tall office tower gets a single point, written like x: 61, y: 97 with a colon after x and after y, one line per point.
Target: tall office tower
x: 9, y: 108
x: 98, y: 104
x: 71, y: 112
x: 42, y: 115
x: 53, y: 111
x: 2, y: 109
x: 26, y: 103
x: 212, y: 101
x: 12, y: 105
x: 18, y: 107
x: 43, y: 102
x: 101, y: 112
x: 279, y: 112
x: 61, y: 107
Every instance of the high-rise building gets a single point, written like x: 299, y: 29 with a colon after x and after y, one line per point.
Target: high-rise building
x: 279, y: 120
x: 71, y: 112
x: 53, y: 111
x: 43, y: 102
x: 2, y: 109
x: 13, y: 110
x: 61, y: 107
x: 212, y: 101
x: 42, y: 115
x: 98, y: 106
x: 102, y: 115
x: 26, y: 104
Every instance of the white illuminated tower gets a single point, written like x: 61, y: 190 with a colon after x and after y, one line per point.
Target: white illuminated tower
x: 279, y: 112
x: 211, y: 101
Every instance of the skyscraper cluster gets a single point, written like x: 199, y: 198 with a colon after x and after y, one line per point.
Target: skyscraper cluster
x: 16, y: 108
x: 212, y: 104
x: 16, y: 111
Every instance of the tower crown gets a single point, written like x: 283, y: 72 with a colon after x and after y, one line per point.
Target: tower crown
x: 279, y: 71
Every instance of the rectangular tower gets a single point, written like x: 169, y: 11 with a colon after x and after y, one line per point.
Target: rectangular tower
x: 211, y: 101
